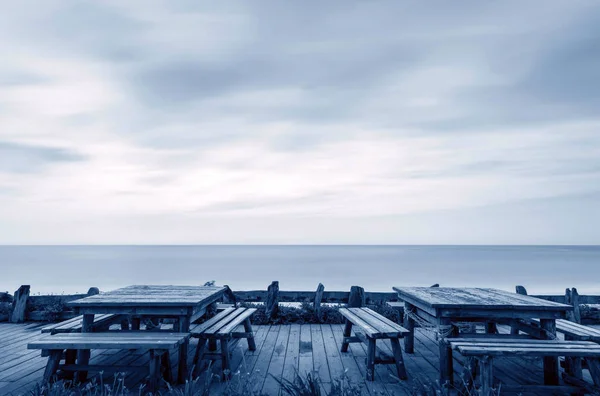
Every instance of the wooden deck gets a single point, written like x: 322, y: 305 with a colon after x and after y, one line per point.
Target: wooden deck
x: 281, y: 351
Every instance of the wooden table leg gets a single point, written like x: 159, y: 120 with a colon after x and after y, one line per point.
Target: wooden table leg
x: 409, y: 324
x: 182, y: 371
x: 83, y: 355
x: 52, y: 364
x: 398, y: 359
x: 70, y: 358
x: 446, y: 364
x: 347, y: 332
x: 551, y: 375
x: 371, y: 350
x: 154, y: 370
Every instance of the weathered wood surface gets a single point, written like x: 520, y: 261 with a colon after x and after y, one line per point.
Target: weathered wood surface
x: 151, y: 295
x: 271, y: 304
x: 20, y: 368
x: 75, y: 324
x: 110, y: 340
x: 477, y: 298
x: 19, y: 306
x: 318, y: 299
x: 357, y: 297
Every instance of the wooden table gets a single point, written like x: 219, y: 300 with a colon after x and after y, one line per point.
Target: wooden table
x: 444, y: 306
x: 180, y: 302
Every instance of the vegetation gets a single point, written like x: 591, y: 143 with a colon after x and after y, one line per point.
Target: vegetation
x: 305, y: 313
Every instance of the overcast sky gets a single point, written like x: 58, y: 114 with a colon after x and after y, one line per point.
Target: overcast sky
x: 300, y: 122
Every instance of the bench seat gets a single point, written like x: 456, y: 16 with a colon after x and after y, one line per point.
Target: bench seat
x: 483, y: 351
x: 65, y: 346
x: 223, y: 327
x: 371, y: 327
x: 74, y: 325
x: 575, y: 331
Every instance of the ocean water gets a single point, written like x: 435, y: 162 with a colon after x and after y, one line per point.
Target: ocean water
x: 71, y: 269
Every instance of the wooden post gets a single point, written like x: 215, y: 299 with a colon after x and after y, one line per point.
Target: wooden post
x: 318, y: 298
x: 521, y: 290
x: 19, y: 305
x: 357, y: 297
x: 93, y: 291
x: 409, y: 324
x: 576, y: 306
x: 229, y: 296
x: 487, y: 376
x: 550, y: 362
x: 272, y: 303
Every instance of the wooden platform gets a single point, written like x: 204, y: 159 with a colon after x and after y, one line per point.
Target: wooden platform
x: 281, y: 351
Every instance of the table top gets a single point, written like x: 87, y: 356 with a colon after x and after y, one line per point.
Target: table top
x: 475, y: 298
x: 151, y: 296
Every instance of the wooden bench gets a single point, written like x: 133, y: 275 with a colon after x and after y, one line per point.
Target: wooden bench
x: 483, y: 351
x: 222, y: 327
x: 101, y: 322
x: 372, y: 327
x: 65, y: 346
x: 575, y: 331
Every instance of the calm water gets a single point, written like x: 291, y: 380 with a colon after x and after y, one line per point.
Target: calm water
x: 69, y: 269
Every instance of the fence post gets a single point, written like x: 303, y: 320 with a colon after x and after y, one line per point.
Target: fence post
x: 271, y: 305
x: 357, y: 297
x: 318, y: 299
x: 19, y: 307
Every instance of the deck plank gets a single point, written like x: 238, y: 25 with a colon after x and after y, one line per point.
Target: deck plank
x: 281, y: 351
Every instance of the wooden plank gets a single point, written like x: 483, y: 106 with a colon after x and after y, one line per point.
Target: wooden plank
x: 320, y: 363
x: 151, y: 295
x: 214, y: 329
x: 531, y: 352
x: 237, y: 321
x: 351, y: 368
x: 263, y: 359
x: 197, y: 329
x: 366, y: 327
x: 276, y: 365
x: 305, y: 358
x: 291, y: 362
x: 480, y: 298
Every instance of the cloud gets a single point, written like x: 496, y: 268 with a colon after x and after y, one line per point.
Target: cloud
x: 24, y: 158
x: 337, y: 110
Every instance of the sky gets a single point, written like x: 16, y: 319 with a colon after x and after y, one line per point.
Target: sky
x: 280, y: 122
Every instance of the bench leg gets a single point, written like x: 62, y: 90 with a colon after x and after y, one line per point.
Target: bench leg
x: 487, y: 376
x: 198, y: 356
x: 248, y: 329
x: 399, y: 359
x: 347, y: 332
x: 371, y: 351
x: 166, y: 367
x: 52, y: 365
x: 514, y: 329
x: 550, y: 362
x: 468, y: 376
x: 409, y: 324
x: 153, y: 370
x: 225, y: 359
x: 70, y: 358
x: 594, y: 367
x: 573, y: 365
x: 182, y: 370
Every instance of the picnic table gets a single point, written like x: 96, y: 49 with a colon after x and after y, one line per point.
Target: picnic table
x: 443, y: 307
x: 183, y: 303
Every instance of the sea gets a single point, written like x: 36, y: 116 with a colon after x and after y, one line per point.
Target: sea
x: 73, y: 269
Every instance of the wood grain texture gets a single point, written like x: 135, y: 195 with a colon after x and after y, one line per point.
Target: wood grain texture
x: 475, y: 298
x: 151, y: 295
